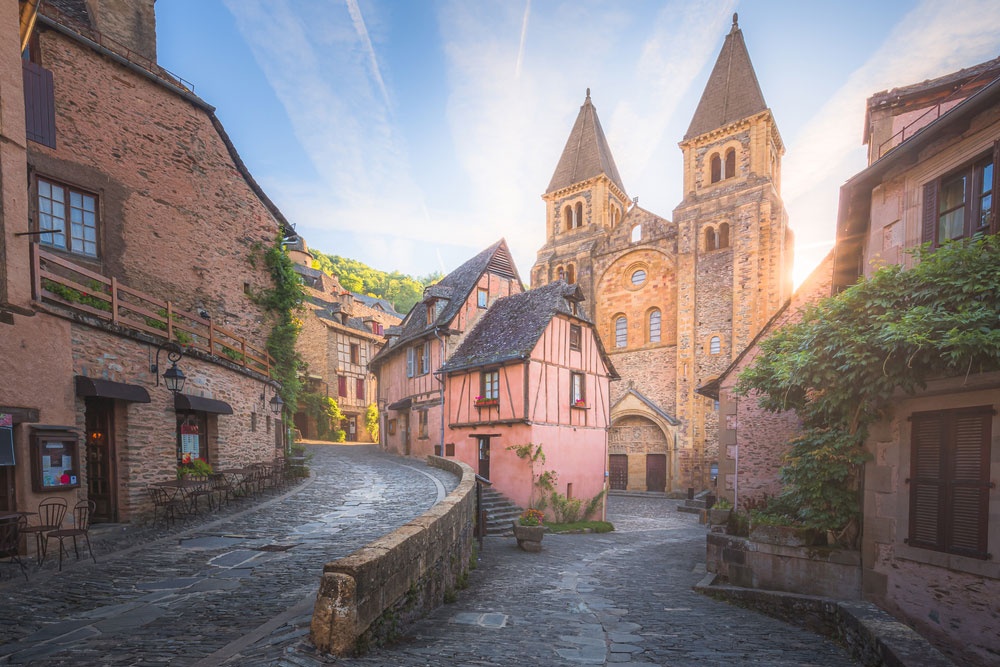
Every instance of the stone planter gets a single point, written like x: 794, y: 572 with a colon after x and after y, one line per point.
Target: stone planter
x: 529, y: 538
x: 787, y: 536
x: 718, y: 517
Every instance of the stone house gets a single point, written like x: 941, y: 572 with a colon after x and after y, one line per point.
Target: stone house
x: 124, y: 225
x: 410, y: 389
x: 675, y: 301
x: 931, y: 508
x: 342, y: 332
x: 532, y: 370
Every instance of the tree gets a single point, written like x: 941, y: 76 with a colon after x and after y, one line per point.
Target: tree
x: 839, y: 366
x: 371, y: 421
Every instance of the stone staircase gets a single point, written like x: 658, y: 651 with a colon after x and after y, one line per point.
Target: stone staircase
x: 698, y: 504
x: 500, y: 512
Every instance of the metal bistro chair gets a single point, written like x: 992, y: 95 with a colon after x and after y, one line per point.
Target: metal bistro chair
x: 198, y: 486
x: 82, y: 512
x: 164, y: 503
x: 51, y: 513
x: 221, y: 485
x: 10, y: 542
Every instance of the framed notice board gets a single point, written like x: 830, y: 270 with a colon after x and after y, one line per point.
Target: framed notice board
x: 55, y: 460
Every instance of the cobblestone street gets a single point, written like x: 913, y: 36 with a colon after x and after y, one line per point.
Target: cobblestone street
x: 239, y: 589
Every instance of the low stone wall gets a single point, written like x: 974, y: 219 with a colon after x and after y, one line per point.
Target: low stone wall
x: 873, y: 637
x: 366, y: 598
x: 834, y: 573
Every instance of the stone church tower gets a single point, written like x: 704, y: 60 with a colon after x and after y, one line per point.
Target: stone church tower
x: 675, y: 301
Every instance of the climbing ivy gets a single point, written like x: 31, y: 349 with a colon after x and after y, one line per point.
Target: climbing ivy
x: 327, y: 414
x: 283, y: 301
x: 839, y: 366
x: 371, y: 421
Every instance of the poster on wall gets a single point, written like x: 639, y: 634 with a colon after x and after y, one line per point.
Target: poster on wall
x: 190, y: 443
x: 58, y: 467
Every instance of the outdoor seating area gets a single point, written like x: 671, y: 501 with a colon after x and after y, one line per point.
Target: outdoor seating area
x: 193, y: 494
x: 47, y: 523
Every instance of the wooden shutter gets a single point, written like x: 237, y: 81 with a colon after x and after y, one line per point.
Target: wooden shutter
x: 929, y: 226
x: 970, y: 482
x: 411, y: 354
x: 359, y: 388
x: 39, y: 104
x: 926, y: 492
x: 341, y: 385
x: 994, y: 215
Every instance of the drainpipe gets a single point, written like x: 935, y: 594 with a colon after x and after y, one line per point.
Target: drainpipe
x: 441, y: 380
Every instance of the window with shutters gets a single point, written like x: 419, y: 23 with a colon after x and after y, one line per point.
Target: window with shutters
x: 424, y: 361
x: 411, y: 361
x: 960, y: 204
x: 950, y: 480
x: 341, y: 386
x: 359, y: 388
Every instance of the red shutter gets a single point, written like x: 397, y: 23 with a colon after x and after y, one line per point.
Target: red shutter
x: 929, y: 227
x: 39, y: 104
x: 925, y: 481
x: 341, y: 385
x: 360, y: 388
x: 970, y: 482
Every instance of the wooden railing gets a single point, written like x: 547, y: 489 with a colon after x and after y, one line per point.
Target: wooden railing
x: 57, y: 280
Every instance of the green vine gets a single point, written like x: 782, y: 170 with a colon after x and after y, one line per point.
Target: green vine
x: 76, y: 296
x: 840, y: 365
x: 282, y: 301
x: 327, y: 414
x: 371, y: 421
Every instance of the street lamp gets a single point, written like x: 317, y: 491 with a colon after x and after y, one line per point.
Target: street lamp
x: 276, y: 404
x: 173, y: 377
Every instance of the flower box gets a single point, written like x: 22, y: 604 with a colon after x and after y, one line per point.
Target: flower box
x: 579, y: 404
x: 487, y: 402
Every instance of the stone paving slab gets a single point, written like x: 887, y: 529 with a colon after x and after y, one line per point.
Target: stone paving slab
x: 176, y: 595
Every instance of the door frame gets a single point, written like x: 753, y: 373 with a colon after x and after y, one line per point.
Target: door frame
x: 99, y: 417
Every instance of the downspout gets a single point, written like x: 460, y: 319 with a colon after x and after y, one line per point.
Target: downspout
x: 736, y: 464
x: 440, y: 379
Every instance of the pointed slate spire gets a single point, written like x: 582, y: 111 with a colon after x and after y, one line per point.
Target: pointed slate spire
x: 586, y: 153
x: 732, y: 91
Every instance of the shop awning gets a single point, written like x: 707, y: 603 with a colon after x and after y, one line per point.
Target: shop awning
x: 86, y: 386
x: 401, y: 405
x: 201, y: 404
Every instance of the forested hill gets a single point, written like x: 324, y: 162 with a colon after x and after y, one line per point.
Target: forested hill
x: 401, y: 290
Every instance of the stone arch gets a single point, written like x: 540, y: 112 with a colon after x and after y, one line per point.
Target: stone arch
x: 640, y: 433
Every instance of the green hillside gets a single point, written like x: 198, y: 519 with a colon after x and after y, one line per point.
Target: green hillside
x: 399, y: 289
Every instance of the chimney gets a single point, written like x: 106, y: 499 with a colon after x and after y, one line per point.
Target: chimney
x: 131, y: 23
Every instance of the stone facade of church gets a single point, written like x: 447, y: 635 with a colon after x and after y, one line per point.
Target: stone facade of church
x: 675, y: 301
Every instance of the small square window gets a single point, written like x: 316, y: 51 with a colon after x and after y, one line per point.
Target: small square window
x: 575, y: 336
x: 481, y: 297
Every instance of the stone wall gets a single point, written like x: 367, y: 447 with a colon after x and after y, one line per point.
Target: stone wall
x: 366, y: 598
x: 808, y: 570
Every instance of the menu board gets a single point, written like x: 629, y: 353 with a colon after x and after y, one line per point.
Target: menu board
x: 190, y: 440
x: 58, y: 465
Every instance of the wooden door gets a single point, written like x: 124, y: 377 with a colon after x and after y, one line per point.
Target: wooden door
x: 656, y: 472
x: 484, y: 456
x: 102, y: 479
x: 618, y: 466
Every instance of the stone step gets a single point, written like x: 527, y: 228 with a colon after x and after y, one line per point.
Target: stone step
x: 500, y: 512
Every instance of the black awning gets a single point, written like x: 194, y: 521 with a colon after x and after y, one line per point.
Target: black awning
x: 86, y: 386
x: 201, y: 404
x: 403, y: 404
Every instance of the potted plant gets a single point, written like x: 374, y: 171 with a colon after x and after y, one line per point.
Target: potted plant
x: 191, y: 465
x: 529, y: 530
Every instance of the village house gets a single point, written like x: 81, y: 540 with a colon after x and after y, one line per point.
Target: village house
x: 410, y: 390
x: 342, y: 332
x: 532, y: 370
x: 674, y: 301
x: 131, y: 244
x: 931, y: 510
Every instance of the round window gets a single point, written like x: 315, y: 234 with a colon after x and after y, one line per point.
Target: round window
x: 639, y: 277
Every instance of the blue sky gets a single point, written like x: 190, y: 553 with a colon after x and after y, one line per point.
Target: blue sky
x: 410, y: 134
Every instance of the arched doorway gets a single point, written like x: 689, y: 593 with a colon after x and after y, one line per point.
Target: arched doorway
x: 639, y: 455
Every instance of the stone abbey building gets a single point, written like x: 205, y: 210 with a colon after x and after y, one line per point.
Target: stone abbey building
x: 675, y: 301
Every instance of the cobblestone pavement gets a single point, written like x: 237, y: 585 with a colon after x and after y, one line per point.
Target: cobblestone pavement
x: 195, y: 593
x: 621, y: 598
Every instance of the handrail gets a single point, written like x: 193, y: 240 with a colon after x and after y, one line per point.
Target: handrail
x: 58, y: 280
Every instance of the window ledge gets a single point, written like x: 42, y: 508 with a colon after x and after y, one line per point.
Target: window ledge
x: 982, y: 568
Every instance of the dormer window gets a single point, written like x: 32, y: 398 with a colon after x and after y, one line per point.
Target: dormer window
x: 430, y: 312
x: 575, y: 333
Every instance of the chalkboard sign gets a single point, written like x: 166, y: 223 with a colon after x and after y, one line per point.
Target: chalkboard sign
x: 6, y: 446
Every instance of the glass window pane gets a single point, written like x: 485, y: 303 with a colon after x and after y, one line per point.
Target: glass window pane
x: 44, y: 189
x: 952, y: 225
x: 89, y: 203
x: 639, y: 277
x: 952, y: 194
x: 76, y: 200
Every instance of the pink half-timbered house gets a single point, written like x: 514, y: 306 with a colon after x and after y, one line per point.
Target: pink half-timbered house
x: 533, y: 370
x: 410, y: 391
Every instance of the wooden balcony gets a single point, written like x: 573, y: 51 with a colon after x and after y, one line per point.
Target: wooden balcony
x: 57, y: 280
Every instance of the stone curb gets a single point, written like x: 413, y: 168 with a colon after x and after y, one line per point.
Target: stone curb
x: 872, y: 636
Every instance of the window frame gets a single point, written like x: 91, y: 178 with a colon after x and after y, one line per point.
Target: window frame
x: 489, y: 384
x: 575, y: 336
x: 577, y: 389
x: 342, y: 386
x: 355, y: 353
x: 932, y: 498
x: 482, y: 297
x: 975, y: 189
x: 658, y: 336
x: 423, y: 430
x: 715, y: 344
x: 359, y: 388
x: 66, y: 230
x: 620, y: 328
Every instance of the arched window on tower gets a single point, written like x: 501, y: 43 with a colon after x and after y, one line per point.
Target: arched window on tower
x: 716, y: 168
x: 560, y: 273
x: 636, y: 233
x: 578, y: 218
x: 730, y: 163
x: 711, y: 239
x: 570, y: 274
x: 724, y: 235
x: 621, y: 331
x: 715, y: 345
x: 615, y: 216
x: 568, y: 217
x: 654, y: 326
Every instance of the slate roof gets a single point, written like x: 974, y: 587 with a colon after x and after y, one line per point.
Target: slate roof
x: 732, y: 92
x: 586, y: 154
x: 512, y: 326
x: 452, y: 290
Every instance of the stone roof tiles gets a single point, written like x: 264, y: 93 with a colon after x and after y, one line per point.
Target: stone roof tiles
x: 586, y: 154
